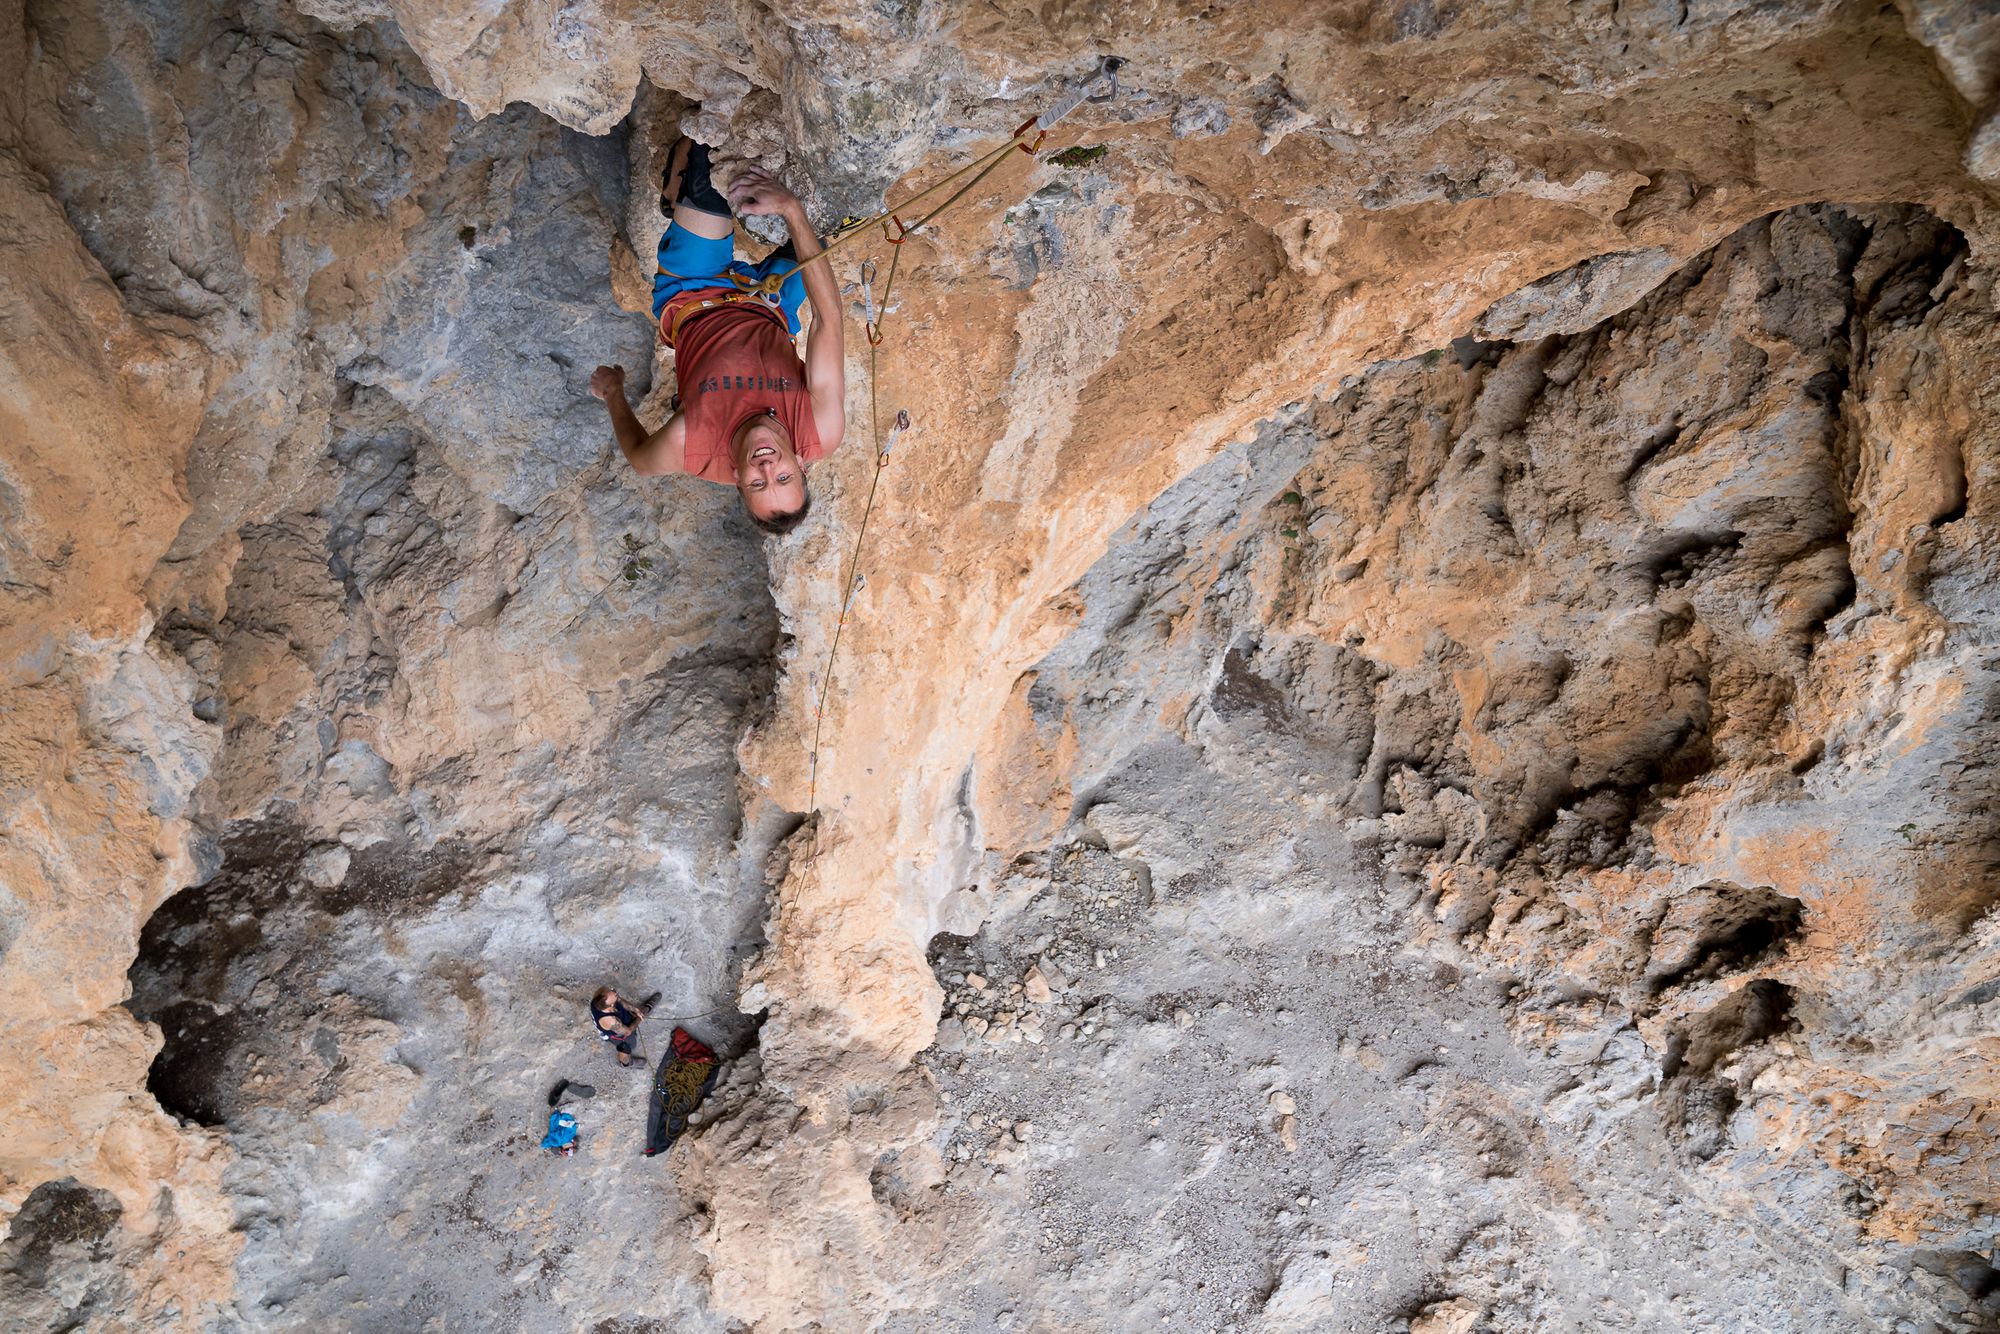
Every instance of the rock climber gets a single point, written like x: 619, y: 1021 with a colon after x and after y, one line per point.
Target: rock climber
x: 749, y: 414
x: 618, y: 1023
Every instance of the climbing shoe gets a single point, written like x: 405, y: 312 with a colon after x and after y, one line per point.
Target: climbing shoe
x: 694, y: 187
x: 670, y: 175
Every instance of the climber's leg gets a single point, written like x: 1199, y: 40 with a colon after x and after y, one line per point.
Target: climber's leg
x: 686, y: 182
x: 699, y: 244
x: 689, y: 261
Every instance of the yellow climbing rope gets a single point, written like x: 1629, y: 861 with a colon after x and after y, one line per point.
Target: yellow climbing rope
x: 1028, y: 138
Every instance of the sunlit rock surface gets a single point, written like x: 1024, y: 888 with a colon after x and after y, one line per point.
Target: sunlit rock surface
x: 1416, y: 749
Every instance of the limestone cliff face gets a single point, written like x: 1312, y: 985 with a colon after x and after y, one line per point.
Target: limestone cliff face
x: 1416, y: 745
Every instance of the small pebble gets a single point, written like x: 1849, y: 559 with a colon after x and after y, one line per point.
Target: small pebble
x: 1035, y: 986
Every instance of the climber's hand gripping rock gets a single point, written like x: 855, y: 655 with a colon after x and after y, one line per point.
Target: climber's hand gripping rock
x: 606, y: 381
x: 757, y: 193
x: 651, y: 453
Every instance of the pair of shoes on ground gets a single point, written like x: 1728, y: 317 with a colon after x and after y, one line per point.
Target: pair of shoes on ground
x: 571, y: 1088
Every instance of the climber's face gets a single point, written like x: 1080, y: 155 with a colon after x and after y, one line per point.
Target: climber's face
x: 768, y: 473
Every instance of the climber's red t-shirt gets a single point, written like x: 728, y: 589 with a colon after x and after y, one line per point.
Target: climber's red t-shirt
x: 732, y: 363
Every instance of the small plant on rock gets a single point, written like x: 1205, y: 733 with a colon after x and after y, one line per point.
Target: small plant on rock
x: 1079, y: 156
x: 637, y: 563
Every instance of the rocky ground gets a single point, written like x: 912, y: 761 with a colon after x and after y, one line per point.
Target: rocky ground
x: 1415, y: 751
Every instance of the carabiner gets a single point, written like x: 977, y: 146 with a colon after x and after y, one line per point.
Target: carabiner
x: 1022, y: 129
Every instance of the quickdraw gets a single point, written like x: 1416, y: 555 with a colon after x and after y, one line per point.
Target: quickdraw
x: 874, y: 323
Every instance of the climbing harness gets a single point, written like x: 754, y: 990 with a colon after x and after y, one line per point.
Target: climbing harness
x: 1028, y: 137
x: 689, y: 309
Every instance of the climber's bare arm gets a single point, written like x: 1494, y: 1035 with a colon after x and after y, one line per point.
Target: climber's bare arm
x: 651, y: 453
x: 826, y: 357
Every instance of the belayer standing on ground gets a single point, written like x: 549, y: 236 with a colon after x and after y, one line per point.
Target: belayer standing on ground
x: 618, y: 1023
x: 750, y: 414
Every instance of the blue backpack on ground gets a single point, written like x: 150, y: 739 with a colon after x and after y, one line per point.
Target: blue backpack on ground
x: 562, y: 1133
